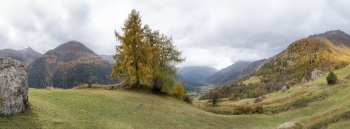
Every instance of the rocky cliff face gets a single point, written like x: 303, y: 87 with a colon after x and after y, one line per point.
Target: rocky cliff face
x: 13, y: 87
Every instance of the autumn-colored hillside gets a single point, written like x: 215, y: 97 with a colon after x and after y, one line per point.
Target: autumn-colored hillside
x: 326, y: 52
x: 68, y: 65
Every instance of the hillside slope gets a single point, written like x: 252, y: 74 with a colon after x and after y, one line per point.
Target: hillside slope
x: 189, y: 84
x: 233, y: 72
x: 92, y: 108
x: 116, y: 109
x: 313, y: 105
x: 26, y: 56
x: 292, y: 65
x: 68, y: 65
x: 305, y: 55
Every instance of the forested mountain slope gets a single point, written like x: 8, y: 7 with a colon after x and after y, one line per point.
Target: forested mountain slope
x: 26, y: 56
x: 68, y: 65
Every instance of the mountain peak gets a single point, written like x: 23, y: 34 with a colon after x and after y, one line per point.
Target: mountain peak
x: 73, y: 46
x: 338, y: 37
x: 28, y: 49
x: 68, y: 65
x: 72, y: 43
x: 330, y: 33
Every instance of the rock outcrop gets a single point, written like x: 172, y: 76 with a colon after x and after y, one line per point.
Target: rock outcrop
x: 304, y: 80
x: 316, y: 74
x: 13, y: 87
x: 290, y: 125
x: 284, y: 88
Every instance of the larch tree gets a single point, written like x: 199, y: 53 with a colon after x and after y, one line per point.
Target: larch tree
x: 165, y: 57
x: 133, y: 56
x: 145, y: 57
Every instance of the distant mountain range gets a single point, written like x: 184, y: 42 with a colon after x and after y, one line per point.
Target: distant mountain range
x: 192, y: 76
x: 203, y: 75
x: 234, y: 72
x: 196, y: 73
x: 68, y: 65
x: 109, y: 58
x: 223, y: 76
x: 26, y: 56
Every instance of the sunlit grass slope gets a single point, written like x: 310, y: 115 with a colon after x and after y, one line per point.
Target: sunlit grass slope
x: 116, y: 109
x: 313, y: 104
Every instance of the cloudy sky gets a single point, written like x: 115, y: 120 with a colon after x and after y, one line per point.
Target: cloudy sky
x: 209, y: 32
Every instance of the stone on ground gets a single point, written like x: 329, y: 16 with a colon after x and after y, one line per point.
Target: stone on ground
x: 13, y: 87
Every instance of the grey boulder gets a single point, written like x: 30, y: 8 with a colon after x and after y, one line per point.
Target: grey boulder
x: 13, y: 87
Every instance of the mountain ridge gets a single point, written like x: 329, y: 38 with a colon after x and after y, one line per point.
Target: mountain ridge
x: 196, y: 73
x: 26, y: 56
x: 68, y: 65
x: 220, y: 77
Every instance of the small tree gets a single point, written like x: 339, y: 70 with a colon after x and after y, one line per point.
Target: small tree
x: 179, y: 91
x: 332, y: 78
x: 91, y: 80
x: 165, y: 56
x: 214, y: 95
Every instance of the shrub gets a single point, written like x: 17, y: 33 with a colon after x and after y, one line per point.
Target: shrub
x: 248, y: 110
x: 259, y: 110
x: 179, y: 91
x: 332, y: 78
x: 188, y: 100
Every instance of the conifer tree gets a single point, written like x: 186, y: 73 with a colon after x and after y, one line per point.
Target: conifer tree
x: 133, y: 56
x: 332, y: 78
x: 165, y: 56
x: 145, y: 57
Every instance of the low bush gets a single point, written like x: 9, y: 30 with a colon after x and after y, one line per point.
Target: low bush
x: 188, y: 100
x: 179, y: 91
x: 239, y: 110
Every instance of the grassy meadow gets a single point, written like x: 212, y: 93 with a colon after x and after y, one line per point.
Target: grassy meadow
x: 98, y: 108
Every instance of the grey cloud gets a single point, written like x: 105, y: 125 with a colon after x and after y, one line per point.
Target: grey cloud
x: 3, y: 36
x: 211, y: 32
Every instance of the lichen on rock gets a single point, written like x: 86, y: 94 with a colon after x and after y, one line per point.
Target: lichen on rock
x: 13, y: 87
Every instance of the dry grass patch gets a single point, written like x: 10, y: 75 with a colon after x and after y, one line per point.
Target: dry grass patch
x: 99, y: 86
x: 315, y: 117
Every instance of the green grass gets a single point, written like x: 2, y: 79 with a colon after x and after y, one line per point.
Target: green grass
x: 88, y: 108
x: 340, y: 125
x: 94, y: 108
x: 252, y: 80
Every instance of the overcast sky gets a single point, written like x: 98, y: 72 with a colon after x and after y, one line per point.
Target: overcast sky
x: 209, y: 32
